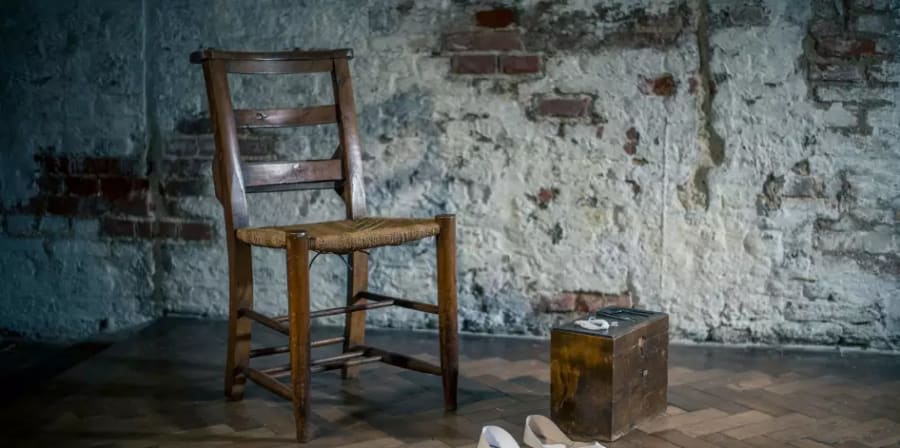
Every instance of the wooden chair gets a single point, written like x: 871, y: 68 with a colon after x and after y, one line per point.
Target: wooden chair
x: 353, y: 236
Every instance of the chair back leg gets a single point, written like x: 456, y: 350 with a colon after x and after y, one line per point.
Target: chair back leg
x: 240, y: 273
x: 355, y: 322
x: 447, y: 317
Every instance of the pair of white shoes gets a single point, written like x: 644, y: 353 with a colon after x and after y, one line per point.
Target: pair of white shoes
x: 540, y: 432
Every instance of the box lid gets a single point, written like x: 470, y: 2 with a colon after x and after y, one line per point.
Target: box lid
x: 621, y: 320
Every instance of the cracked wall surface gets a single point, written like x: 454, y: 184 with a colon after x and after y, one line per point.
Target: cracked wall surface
x: 732, y: 163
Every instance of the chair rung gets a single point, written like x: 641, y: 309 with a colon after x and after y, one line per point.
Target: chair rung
x: 333, y: 359
x: 319, y: 365
x: 273, y: 323
x: 404, y: 361
x: 267, y: 381
x: 403, y: 303
x: 349, y: 363
x: 266, y: 351
x: 340, y: 310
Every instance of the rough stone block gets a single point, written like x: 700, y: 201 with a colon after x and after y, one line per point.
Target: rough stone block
x: 886, y: 71
x: 879, y: 241
x: 85, y: 228
x: 823, y: 28
x: 182, y: 147
x: 803, y: 187
x: 852, y: 94
x: 483, y: 41
x: 874, y: 23
x: 53, y: 225
x: 738, y: 14
x: 20, y: 225
x: 872, y: 5
x: 197, y: 187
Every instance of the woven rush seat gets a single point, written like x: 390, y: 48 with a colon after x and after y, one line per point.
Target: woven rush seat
x: 345, y: 236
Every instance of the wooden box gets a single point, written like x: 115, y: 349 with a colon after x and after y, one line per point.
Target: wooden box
x: 605, y: 382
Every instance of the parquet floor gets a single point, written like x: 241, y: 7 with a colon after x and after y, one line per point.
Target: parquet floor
x: 162, y: 388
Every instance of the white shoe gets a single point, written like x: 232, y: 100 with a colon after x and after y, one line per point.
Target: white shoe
x: 541, y: 432
x: 496, y: 437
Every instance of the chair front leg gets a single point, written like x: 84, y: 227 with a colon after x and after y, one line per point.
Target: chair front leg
x: 240, y: 285
x: 446, y: 285
x: 299, y: 321
x: 355, y: 323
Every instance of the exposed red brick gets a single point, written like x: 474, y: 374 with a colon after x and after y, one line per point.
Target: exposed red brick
x: 135, y: 205
x: 49, y: 185
x: 589, y: 302
x: 115, y: 188
x: 473, y: 64
x: 53, y: 165
x: 82, y: 186
x: 495, y: 18
x: 545, y: 195
x: 599, y: 132
x: 520, y: 65
x: 125, y: 227
x: 663, y: 85
x: 63, y: 205
x: 846, y: 46
x: 630, y: 147
x: 195, y: 231
x: 101, y: 166
x: 484, y: 40
x: 35, y: 206
x: 564, y: 107
x: 117, y: 227
x: 584, y: 302
x: 560, y: 303
x: 633, y: 137
x: 166, y: 229
x: 633, y: 134
x: 692, y: 85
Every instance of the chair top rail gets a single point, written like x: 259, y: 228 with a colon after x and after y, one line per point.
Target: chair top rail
x: 207, y: 54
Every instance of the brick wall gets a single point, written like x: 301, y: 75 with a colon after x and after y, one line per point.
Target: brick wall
x: 731, y: 163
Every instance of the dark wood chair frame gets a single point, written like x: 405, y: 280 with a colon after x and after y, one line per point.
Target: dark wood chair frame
x: 343, y: 173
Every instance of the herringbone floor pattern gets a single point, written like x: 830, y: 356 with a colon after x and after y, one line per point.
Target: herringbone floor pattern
x: 162, y: 388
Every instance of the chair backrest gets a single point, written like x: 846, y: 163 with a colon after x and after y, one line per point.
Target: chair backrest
x: 234, y: 179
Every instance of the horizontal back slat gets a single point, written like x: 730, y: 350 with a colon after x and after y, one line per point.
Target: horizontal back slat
x: 276, y: 118
x: 295, y: 55
x: 279, y: 67
x: 328, y: 185
x: 291, y: 175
